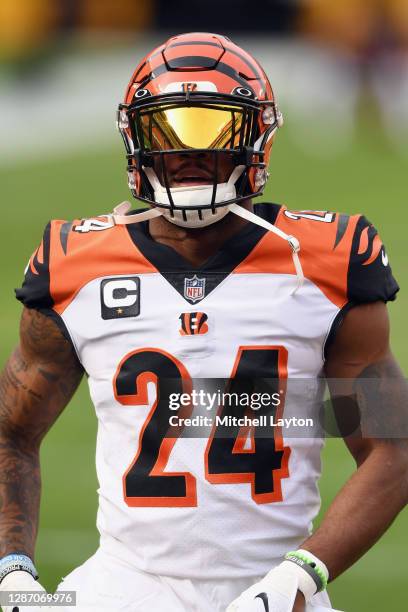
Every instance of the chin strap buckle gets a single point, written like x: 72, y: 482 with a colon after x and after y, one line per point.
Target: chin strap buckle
x: 294, y: 244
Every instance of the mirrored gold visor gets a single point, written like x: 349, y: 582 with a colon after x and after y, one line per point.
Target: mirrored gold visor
x: 191, y: 127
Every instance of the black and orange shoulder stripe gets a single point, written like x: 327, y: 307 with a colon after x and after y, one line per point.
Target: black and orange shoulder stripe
x: 369, y: 276
x: 35, y: 290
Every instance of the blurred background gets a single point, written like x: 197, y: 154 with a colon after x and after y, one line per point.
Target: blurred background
x: 340, y: 72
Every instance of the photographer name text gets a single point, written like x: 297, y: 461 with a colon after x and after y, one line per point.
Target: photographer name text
x: 234, y: 421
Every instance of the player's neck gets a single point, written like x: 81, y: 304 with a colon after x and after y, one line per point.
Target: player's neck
x: 198, y: 244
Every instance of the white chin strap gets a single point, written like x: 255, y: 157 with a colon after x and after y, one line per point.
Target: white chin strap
x: 120, y: 217
x: 293, y: 242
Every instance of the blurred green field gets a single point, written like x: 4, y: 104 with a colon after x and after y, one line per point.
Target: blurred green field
x: 368, y: 178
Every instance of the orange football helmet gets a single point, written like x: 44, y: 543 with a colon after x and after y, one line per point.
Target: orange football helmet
x: 198, y: 93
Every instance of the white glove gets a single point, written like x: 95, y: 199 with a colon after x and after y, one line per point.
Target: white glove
x: 19, y: 581
x: 274, y: 593
x: 277, y: 591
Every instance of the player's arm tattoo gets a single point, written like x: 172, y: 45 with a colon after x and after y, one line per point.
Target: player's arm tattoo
x: 36, y: 384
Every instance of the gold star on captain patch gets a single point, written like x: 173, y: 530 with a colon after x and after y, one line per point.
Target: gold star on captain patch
x: 119, y: 311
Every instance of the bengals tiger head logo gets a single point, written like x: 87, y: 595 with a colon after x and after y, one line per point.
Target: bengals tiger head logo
x: 193, y: 323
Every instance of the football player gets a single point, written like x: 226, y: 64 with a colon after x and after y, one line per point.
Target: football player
x: 202, y: 284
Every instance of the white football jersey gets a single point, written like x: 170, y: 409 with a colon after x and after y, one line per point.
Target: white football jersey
x: 204, y: 501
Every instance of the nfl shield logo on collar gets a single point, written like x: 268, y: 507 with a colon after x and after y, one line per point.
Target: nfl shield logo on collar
x: 194, y: 288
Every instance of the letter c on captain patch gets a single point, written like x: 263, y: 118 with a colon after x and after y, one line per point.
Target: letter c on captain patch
x: 120, y: 297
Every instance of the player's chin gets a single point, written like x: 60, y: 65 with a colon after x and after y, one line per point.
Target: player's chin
x: 190, y: 183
